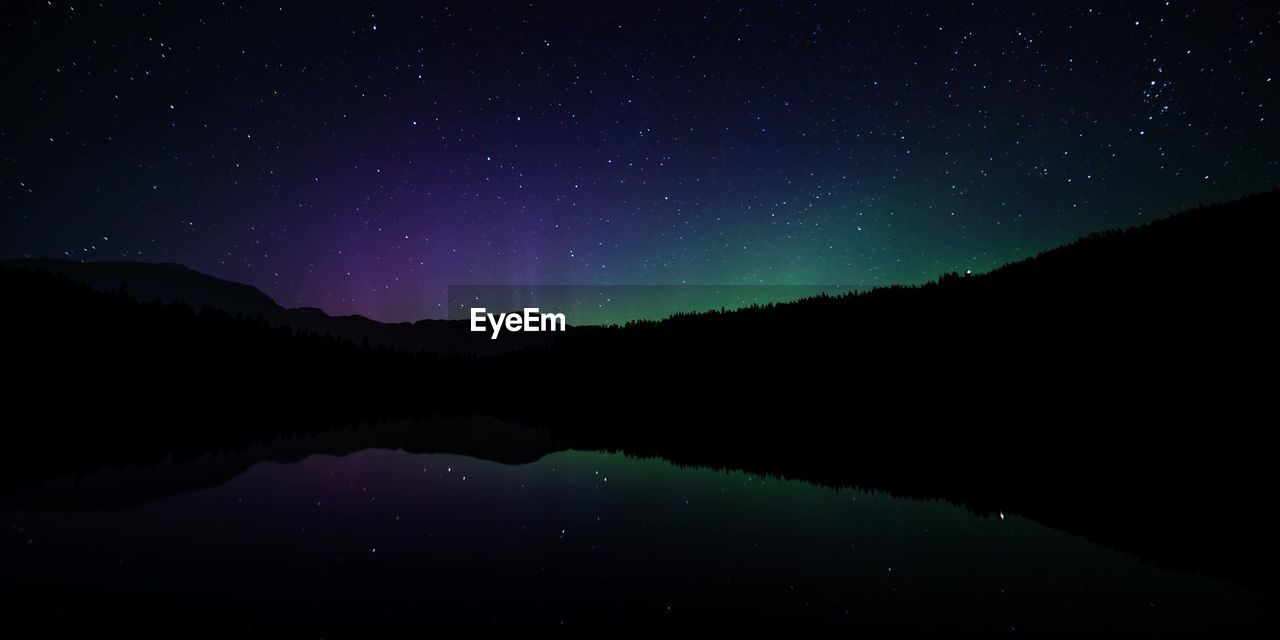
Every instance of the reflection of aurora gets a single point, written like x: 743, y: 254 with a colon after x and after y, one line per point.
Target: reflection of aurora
x: 618, y: 304
x: 457, y: 540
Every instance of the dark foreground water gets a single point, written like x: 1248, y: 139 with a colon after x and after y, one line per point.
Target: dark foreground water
x: 382, y: 542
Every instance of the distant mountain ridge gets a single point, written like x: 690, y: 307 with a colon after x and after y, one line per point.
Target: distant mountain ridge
x: 169, y: 282
x: 162, y: 281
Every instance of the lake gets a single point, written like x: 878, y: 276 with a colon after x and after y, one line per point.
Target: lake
x: 388, y: 542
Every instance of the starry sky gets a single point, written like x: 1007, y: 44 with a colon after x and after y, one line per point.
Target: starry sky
x: 362, y: 157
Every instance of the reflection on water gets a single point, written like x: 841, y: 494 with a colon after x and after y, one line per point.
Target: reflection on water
x: 584, y: 542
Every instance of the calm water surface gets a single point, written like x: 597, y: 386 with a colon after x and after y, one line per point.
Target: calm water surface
x: 413, y: 544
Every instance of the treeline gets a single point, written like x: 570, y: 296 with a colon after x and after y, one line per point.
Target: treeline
x: 1154, y: 319
x: 67, y: 333
x: 1158, y: 320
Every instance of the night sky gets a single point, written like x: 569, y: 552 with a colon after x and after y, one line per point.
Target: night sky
x: 360, y: 159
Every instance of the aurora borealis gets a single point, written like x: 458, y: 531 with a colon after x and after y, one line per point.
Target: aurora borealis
x: 362, y: 159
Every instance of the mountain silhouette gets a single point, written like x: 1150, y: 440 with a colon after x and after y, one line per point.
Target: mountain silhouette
x: 174, y: 283
x: 164, y: 282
